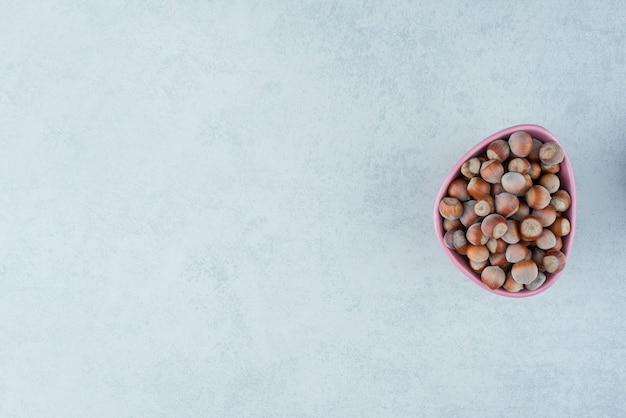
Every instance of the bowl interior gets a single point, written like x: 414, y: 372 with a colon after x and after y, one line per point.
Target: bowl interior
x: 566, y: 175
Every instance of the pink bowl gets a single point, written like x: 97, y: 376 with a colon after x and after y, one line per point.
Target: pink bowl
x: 567, y: 182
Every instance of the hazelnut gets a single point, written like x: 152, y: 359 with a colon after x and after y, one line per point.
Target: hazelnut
x: 496, y: 189
x: 506, y: 204
x: 516, y: 253
x: 546, y: 215
x: 471, y: 167
x: 519, y: 165
x: 478, y: 187
x: 462, y: 250
x: 491, y: 171
x: 551, y: 153
x: 459, y: 241
x: 511, y: 285
x: 555, y: 168
x: 512, y: 235
x: 554, y: 261
x: 498, y: 150
x: 451, y: 224
x: 530, y: 228
x: 496, y: 245
x: 560, y: 227
x: 498, y: 259
x: 550, y: 181
x: 561, y: 200
x: 478, y: 266
x: 546, y: 240
x: 525, y: 271
x: 537, y: 197
x: 458, y: 189
x: 484, y: 205
x: 535, y: 170
x: 534, y: 151
x: 450, y: 208
x: 520, y: 143
x: 494, y: 225
x: 468, y: 217
x: 514, y: 183
x: 448, y: 239
x: 529, y: 181
x: 475, y: 236
x: 522, y: 212
x: 559, y: 244
x: 493, y: 277
x: 536, y: 284
x: 477, y: 253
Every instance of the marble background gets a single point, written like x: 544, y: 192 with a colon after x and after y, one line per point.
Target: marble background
x: 224, y: 208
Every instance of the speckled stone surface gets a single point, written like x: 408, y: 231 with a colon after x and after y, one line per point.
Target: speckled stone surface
x: 224, y: 209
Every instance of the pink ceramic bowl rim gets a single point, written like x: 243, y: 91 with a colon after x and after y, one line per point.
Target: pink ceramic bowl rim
x: 567, y: 182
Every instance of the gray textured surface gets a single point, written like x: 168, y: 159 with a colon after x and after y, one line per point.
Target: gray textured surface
x: 225, y: 209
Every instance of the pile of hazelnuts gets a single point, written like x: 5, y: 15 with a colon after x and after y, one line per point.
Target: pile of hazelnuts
x: 505, y: 213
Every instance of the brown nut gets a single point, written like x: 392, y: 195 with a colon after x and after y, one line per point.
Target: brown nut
x: 450, y: 208
x: 560, y: 227
x: 514, y: 183
x: 555, y: 168
x: 471, y: 167
x: 530, y: 228
x: 536, y: 284
x: 458, y: 239
x: 554, y: 261
x: 494, y: 226
x: 496, y: 245
x: 491, y: 171
x: 550, y: 181
x: 468, y: 216
x: 498, y: 150
x: 535, y: 170
x: 551, y: 153
x: 477, y: 253
x: 522, y: 212
x: 458, y: 189
x: 496, y: 189
x: 448, y: 239
x: 511, y: 285
x: 534, y: 152
x: 498, y: 259
x: 506, y: 204
x: 512, y: 235
x: 478, y: 187
x: 484, y: 205
x: 546, y: 240
x: 546, y: 215
x: 525, y: 271
x: 520, y: 143
x: 519, y: 165
x: 451, y: 224
x: 529, y: 181
x: 516, y: 253
x: 493, y: 277
x: 561, y: 200
x: 537, y: 197
x: 475, y: 236
x: 462, y: 250
x: 478, y: 266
